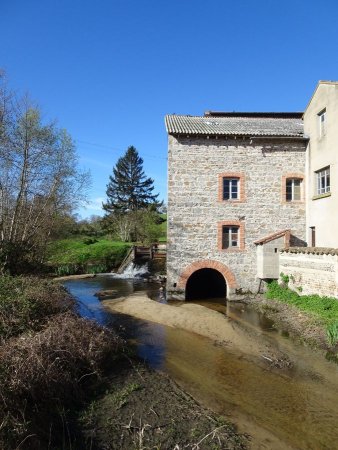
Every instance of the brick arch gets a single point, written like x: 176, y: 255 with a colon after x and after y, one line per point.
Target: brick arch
x: 208, y: 264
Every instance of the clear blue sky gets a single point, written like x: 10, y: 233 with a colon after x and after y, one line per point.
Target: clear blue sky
x: 109, y: 70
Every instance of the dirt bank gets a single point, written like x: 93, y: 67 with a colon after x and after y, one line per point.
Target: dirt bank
x: 300, y: 325
x: 143, y: 409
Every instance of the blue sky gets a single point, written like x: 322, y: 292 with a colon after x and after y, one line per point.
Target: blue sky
x: 109, y: 70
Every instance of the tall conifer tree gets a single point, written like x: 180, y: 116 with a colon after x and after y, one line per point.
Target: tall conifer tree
x: 129, y: 189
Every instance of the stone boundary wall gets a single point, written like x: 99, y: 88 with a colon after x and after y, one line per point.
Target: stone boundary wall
x: 311, y: 270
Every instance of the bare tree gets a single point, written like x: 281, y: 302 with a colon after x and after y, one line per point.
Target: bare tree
x: 39, y: 180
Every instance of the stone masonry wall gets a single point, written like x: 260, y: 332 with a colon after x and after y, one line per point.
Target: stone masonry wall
x: 195, y: 212
x: 311, y: 271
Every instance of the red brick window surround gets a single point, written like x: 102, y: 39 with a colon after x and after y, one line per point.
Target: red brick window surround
x: 231, y: 187
x: 293, y: 188
x: 231, y: 236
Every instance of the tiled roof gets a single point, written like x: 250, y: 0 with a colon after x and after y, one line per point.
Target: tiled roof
x: 270, y: 124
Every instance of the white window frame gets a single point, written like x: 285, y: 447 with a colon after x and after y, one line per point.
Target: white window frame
x: 322, y: 123
x: 323, y: 181
x: 233, y: 229
x: 232, y: 182
x: 293, y: 180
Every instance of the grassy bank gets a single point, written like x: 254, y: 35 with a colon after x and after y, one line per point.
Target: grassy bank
x: 93, y: 253
x: 163, y: 228
x: 85, y: 254
x: 323, y: 309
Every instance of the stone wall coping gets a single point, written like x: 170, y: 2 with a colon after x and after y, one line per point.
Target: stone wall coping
x: 313, y: 250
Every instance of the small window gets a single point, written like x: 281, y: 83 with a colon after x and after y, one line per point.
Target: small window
x: 322, y: 123
x: 293, y: 189
x: 230, y: 237
x: 230, y: 188
x: 323, y: 181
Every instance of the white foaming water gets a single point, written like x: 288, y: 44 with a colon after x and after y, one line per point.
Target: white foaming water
x: 133, y: 271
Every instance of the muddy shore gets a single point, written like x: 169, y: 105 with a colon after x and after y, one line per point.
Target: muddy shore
x: 301, y: 326
x: 144, y: 409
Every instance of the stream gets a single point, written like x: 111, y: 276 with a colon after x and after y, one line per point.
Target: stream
x: 293, y: 407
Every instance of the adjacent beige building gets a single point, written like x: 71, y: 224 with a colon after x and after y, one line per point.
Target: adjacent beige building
x: 321, y: 127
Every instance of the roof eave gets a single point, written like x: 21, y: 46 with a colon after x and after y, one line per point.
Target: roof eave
x: 248, y: 136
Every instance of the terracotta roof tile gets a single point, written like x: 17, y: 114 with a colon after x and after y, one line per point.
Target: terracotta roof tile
x: 272, y: 237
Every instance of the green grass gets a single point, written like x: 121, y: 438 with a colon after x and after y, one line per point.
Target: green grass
x: 323, y: 308
x: 82, y: 254
x: 89, y: 254
x: 163, y: 228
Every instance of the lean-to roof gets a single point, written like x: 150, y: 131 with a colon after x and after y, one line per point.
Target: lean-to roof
x: 273, y: 236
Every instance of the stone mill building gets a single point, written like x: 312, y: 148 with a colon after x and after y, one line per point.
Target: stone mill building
x: 235, y: 198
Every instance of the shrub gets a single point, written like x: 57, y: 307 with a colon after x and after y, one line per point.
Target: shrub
x: 44, y: 374
x: 89, y: 241
x: 26, y: 303
x: 285, y: 278
x: 332, y: 332
x: 67, y: 269
x: 97, y: 268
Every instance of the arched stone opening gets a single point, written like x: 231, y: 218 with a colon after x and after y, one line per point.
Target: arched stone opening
x: 205, y: 283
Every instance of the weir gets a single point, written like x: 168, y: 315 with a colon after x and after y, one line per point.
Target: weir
x: 139, y: 255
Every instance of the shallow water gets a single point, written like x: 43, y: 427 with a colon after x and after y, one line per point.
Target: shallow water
x: 291, y: 408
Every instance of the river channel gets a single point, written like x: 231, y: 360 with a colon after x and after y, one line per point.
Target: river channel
x: 294, y: 406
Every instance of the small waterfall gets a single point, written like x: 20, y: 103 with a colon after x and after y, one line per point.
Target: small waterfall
x: 134, y: 270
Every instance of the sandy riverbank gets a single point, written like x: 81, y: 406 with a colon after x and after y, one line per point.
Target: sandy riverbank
x: 75, y: 277
x: 197, y: 319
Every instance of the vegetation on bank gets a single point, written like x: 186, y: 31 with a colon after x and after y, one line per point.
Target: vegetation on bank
x: 40, y: 181
x: 325, y: 309
x: 88, y: 249
x: 68, y: 383
x: 50, y: 362
x: 84, y: 254
x: 41, y: 185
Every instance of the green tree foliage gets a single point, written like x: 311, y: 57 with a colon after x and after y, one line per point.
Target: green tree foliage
x: 129, y: 189
x: 39, y: 181
x: 131, y: 207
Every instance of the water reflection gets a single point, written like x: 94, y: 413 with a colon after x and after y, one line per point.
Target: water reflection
x: 298, y: 405
x: 89, y: 305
